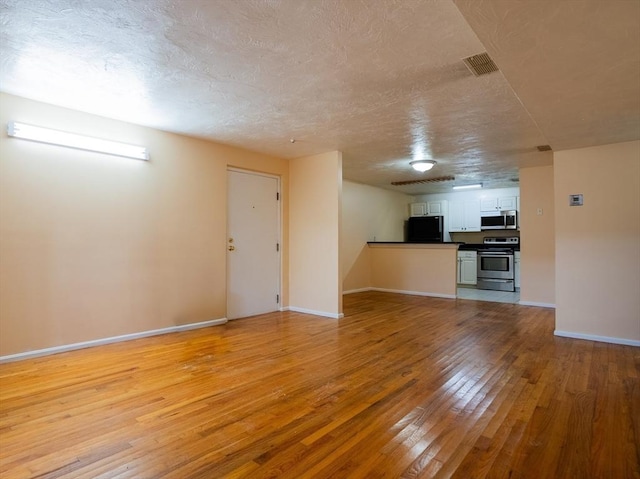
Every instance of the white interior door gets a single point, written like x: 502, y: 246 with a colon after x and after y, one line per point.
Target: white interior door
x: 253, y: 244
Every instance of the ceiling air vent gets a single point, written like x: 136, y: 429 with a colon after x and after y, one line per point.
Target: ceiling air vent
x: 543, y: 147
x: 480, y: 64
x: 424, y: 180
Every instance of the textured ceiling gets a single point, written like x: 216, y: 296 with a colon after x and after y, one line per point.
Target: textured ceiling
x: 380, y: 80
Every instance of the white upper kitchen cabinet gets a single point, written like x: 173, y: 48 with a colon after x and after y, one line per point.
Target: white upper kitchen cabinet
x: 430, y: 208
x: 418, y: 209
x: 436, y: 207
x: 499, y: 203
x: 508, y: 203
x: 464, y: 216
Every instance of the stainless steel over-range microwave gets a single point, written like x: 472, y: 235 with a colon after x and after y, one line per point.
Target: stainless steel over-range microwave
x: 499, y: 220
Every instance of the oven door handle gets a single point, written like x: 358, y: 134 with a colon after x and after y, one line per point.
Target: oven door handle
x: 495, y: 255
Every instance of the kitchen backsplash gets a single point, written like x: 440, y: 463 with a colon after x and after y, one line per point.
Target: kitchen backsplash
x: 478, y: 237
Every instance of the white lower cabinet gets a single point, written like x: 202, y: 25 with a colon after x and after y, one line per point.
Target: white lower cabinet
x: 467, y: 267
x: 516, y: 268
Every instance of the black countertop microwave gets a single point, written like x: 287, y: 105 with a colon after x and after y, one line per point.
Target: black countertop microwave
x: 499, y: 220
x: 425, y: 229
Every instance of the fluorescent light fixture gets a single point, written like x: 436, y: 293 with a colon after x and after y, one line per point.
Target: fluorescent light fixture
x: 423, y: 165
x: 72, y: 140
x: 467, y: 187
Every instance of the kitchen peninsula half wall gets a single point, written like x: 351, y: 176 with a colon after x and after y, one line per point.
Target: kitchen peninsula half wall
x: 424, y: 269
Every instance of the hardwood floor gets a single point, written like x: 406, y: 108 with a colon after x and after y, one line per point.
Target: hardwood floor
x: 402, y: 387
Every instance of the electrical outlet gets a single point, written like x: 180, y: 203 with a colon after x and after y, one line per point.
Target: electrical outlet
x: 539, y: 211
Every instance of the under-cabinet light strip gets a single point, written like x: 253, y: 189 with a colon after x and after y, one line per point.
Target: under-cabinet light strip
x: 467, y: 187
x: 72, y: 140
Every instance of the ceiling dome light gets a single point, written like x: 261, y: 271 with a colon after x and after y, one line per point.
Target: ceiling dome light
x: 423, y: 165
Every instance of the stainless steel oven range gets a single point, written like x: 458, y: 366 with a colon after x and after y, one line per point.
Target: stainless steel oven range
x: 496, y: 266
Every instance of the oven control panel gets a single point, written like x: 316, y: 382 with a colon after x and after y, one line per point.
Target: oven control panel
x: 506, y: 240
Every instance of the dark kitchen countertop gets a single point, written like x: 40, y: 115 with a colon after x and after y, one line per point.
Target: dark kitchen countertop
x: 461, y: 246
x: 471, y: 246
x: 479, y: 246
x: 413, y: 242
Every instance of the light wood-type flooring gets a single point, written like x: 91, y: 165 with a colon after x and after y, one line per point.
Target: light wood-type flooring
x: 402, y: 387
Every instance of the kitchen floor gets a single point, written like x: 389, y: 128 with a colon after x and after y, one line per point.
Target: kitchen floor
x: 488, y: 295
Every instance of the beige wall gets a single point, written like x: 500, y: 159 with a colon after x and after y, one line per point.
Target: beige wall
x: 598, y: 244
x: 537, y: 233
x: 93, y: 246
x: 368, y: 214
x: 314, y: 232
x: 416, y: 269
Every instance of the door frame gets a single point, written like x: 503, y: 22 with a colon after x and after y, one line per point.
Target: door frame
x: 278, y: 227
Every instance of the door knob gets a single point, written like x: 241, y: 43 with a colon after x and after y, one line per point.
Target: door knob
x: 232, y: 248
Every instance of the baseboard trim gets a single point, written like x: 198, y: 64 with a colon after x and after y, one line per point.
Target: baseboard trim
x: 534, y: 303
x: 415, y: 293
x: 114, y: 339
x: 358, y: 290
x: 593, y: 337
x: 315, y: 313
x: 438, y: 295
